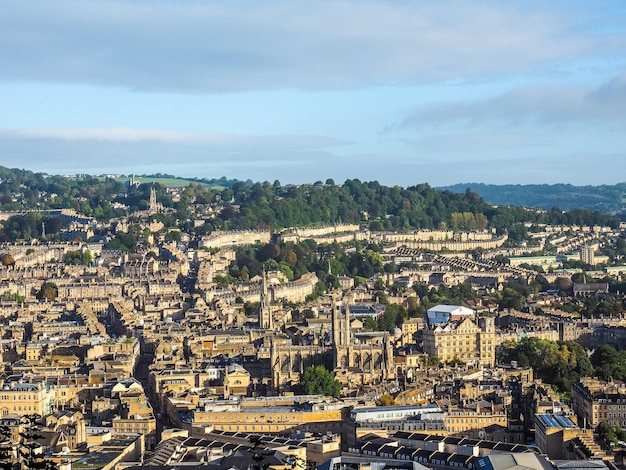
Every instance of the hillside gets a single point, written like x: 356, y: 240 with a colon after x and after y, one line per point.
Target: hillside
x: 608, y: 199
x: 247, y: 205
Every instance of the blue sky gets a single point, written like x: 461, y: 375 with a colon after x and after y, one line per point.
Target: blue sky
x: 401, y: 92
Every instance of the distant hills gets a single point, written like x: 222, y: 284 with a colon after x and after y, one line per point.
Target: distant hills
x: 608, y: 199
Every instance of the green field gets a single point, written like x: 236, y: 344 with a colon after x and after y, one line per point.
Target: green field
x: 169, y: 182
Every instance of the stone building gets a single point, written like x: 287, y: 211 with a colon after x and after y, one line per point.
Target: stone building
x: 356, y: 358
x: 594, y: 401
x: 554, y: 435
x: 462, y: 339
x: 21, y: 398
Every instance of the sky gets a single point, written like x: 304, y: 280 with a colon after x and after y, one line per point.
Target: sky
x: 402, y: 92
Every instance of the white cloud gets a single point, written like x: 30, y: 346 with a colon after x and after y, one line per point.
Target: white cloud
x: 122, y: 150
x: 189, y: 46
x: 168, y: 136
x: 543, y: 105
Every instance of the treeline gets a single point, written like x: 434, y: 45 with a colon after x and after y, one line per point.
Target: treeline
x: 563, y: 363
x: 88, y: 195
x: 384, y: 208
x: 265, y: 205
x: 28, y: 226
x: 244, y: 205
x: 558, y: 363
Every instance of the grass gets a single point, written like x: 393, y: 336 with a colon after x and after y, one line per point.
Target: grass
x: 169, y: 182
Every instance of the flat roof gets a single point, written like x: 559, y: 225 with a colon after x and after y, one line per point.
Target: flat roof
x: 556, y: 421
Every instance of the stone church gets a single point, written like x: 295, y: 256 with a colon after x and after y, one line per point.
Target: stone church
x: 357, y: 358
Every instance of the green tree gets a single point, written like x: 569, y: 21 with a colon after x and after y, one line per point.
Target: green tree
x: 609, y: 363
x: 8, y: 295
x: 77, y: 257
x: 558, y: 363
x: 394, y: 316
x: 511, y: 299
x: 48, y: 291
x: 222, y: 281
x: 370, y: 323
x: 317, y: 380
x: 609, y: 433
x: 173, y: 236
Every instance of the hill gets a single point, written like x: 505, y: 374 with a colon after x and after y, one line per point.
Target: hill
x: 239, y: 205
x: 608, y: 199
x: 172, y: 181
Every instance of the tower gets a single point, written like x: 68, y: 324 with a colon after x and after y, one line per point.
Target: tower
x: 342, y: 334
x: 486, y: 340
x: 336, y: 322
x: 154, y: 205
x: 265, y: 311
x: 587, y: 255
x: 347, y: 331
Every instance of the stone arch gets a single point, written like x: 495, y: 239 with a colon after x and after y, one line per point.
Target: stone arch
x: 343, y: 362
x: 378, y: 360
x: 296, y: 363
x: 284, y: 363
x: 357, y: 360
x: 367, y: 361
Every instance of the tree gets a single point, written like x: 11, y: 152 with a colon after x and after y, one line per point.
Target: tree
x: 511, y: 299
x: 564, y: 284
x: 222, y: 281
x: 385, y: 400
x: 7, y: 259
x: 370, y: 323
x: 12, y: 296
x: 173, y: 236
x: 558, y: 363
x: 269, y: 251
x: 609, y: 433
x: 609, y: 363
x: 48, y: 291
x: 77, y: 257
x: 317, y: 380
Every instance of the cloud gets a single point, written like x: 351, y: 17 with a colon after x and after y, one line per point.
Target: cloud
x: 168, y: 136
x: 207, y: 47
x: 533, y: 168
x: 435, y: 146
x: 543, y: 105
x: 123, y: 150
x: 294, y: 160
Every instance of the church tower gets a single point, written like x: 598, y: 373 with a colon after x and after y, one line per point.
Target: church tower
x: 265, y: 311
x: 154, y: 205
x: 342, y: 334
x: 336, y: 322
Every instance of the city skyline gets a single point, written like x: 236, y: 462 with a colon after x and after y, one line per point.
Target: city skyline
x: 403, y: 93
